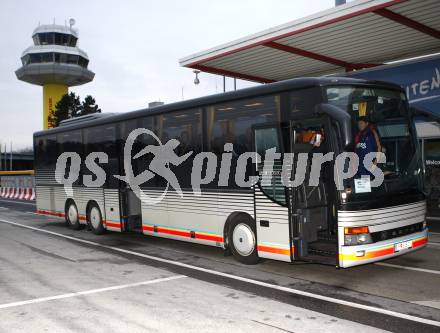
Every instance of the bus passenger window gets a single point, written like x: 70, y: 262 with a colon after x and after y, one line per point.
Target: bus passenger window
x: 185, y: 127
x: 303, y: 100
x: 232, y: 122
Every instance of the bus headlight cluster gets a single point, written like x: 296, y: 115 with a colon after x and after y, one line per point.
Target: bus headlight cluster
x: 358, y: 239
x: 357, y: 236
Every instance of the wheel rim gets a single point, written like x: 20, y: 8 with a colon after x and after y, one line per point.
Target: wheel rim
x: 95, y: 217
x: 72, y: 214
x: 244, y: 239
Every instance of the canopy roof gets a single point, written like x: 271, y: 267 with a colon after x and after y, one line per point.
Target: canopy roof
x: 359, y: 34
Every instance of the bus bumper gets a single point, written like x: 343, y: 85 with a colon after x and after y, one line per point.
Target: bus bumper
x: 363, y: 254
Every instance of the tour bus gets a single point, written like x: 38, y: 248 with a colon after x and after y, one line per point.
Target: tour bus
x: 355, y: 225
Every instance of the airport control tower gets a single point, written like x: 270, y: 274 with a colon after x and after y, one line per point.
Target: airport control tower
x: 54, y: 62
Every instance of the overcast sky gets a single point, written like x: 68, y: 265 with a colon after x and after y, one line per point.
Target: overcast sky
x: 133, y: 47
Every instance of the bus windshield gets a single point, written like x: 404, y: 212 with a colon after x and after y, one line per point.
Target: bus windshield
x: 380, y: 123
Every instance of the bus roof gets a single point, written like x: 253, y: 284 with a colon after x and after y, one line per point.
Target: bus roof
x: 219, y: 98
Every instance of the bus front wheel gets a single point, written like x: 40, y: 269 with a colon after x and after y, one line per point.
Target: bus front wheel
x: 94, y: 219
x: 242, y: 240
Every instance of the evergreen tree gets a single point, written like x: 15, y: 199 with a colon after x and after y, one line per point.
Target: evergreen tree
x: 89, y: 106
x: 70, y: 106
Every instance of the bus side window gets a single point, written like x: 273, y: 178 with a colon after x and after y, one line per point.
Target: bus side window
x: 232, y: 123
x: 268, y: 138
x: 103, y: 139
x: 185, y: 127
x: 303, y: 100
x: 70, y: 142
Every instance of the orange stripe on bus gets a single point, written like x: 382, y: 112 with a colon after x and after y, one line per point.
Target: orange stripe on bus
x: 50, y: 213
x: 112, y: 224
x: 420, y: 241
x: 212, y: 238
x: 368, y: 255
x: 183, y: 233
x: 382, y: 252
x: 271, y: 249
x: 147, y: 228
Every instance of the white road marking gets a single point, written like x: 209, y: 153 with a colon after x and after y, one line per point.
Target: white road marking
x: 4, y: 208
x: 424, y: 270
x: 239, y: 278
x: 434, y: 233
x: 19, y: 202
x: 434, y: 243
x: 88, y: 292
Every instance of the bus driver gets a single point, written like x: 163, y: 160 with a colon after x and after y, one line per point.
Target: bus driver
x: 366, y: 141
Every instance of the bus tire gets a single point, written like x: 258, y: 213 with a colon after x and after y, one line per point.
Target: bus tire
x: 94, y: 219
x: 72, y: 215
x: 242, y: 239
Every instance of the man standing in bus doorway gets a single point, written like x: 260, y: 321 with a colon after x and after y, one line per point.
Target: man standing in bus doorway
x: 366, y: 141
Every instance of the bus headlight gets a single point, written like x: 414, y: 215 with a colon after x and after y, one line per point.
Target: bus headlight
x: 357, y: 239
x: 357, y: 236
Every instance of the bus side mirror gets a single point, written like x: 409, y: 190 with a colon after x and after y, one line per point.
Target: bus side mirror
x: 341, y: 117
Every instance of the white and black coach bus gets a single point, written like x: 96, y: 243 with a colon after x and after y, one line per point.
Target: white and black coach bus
x: 343, y: 227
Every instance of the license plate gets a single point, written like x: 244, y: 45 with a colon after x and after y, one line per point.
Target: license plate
x: 402, y: 246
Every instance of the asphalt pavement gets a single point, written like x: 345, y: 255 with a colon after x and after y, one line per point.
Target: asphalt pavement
x: 56, y: 279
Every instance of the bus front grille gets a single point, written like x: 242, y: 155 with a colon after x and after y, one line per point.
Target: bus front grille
x: 397, y: 232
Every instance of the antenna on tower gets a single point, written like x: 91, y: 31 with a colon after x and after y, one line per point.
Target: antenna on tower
x: 71, y: 22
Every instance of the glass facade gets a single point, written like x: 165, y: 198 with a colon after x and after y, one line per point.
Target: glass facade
x: 432, y: 171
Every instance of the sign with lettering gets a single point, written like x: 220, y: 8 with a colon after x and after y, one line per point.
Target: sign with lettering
x: 420, y: 79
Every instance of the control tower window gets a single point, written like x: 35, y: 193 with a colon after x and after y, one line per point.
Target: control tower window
x: 46, y: 38
x: 37, y: 58
x: 55, y: 38
x: 83, y: 62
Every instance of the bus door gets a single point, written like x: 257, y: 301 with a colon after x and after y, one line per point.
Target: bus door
x: 130, y: 202
x: 310, y: 202
x: 271, y: 210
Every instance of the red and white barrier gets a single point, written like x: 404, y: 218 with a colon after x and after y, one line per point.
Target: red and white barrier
x: 27, y: 194
x: 11, y: 193
x: 17, y: 193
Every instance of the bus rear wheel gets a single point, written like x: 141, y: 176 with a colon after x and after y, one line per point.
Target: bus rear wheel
x: 243, y: 241
x: 94, y: 219
x: 72, y: 216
